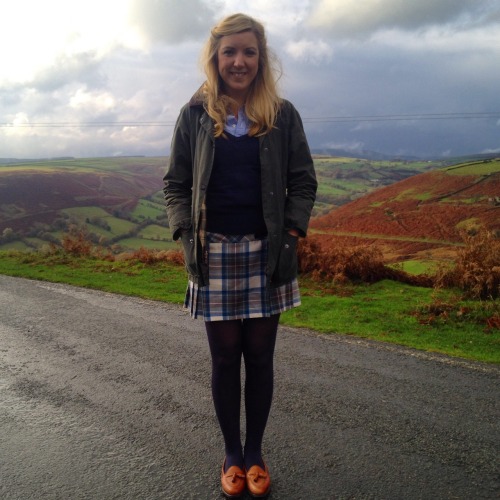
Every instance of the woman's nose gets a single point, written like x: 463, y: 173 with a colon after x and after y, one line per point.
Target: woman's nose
x: 238, y: 59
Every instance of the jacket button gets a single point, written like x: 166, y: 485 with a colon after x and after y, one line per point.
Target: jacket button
x: 271, y: 193
x: 287, y: 245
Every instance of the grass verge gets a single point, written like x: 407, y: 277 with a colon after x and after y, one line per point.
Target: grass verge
x: 386, y: 311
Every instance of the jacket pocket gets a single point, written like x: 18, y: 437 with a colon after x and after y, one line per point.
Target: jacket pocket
x: 286, y: 269
x: 188, y: 243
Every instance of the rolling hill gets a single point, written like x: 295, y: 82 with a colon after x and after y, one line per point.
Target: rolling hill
x: 119, y: 200
x: 37, y: 192
x: 411, y: 209
x: 421, y: 216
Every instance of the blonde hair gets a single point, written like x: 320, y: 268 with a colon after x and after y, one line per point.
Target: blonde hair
x: 263, y: 102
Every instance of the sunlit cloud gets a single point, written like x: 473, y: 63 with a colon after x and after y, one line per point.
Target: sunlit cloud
x: 315, y: 51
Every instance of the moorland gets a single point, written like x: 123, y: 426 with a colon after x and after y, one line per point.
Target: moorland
x: 119, y: 202
x: 401, y: 251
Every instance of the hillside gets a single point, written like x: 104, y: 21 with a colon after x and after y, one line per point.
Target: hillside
x: 421, y: 215
x: 405, y: 206
x: 119, y: 200
x: 113, y: 198
x: 31, y: 193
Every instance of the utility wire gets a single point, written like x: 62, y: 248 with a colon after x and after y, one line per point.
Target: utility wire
x: 416, y: 117
x: 310, y: 119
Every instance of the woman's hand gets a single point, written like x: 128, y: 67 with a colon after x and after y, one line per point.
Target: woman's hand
x: 293, y: 232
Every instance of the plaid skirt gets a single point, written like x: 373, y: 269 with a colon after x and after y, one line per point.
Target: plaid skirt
x: 237, y: 287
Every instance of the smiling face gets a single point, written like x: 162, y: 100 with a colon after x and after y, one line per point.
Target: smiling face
x: 238, y: 63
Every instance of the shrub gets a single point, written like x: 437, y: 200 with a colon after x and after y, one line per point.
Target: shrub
x: 342, y: 263
x: 77, y: 243
x: 477, y: 267
x: 147, y: 256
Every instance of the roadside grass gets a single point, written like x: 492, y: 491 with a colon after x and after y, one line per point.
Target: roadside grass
x: 15, y: 245
x: 164, y: 282
x: 417, y: 317
x: 388, y: 311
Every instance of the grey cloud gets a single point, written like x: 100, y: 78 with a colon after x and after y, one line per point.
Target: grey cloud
x: 83, y: 68
x: 343, y: 19
x: 173, y: 21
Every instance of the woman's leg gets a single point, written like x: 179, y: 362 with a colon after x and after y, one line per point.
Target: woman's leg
x: 259, y: 339
x: 225, y: 339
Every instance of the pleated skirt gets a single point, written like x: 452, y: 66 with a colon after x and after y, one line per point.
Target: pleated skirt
x: 237, y: 287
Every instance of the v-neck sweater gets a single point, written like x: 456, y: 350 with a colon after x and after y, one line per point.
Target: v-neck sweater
x: 234, y: 194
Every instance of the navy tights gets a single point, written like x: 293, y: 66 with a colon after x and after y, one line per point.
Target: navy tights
x: 229, y: 341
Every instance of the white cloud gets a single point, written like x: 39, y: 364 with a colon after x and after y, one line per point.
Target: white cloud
x: 490, y: 151
x: 280, y: 17
x: 439, y: 39
x: 172, y: 21
x: 35, y: 34
x: 315, y: 51
x: 352, y: 146
x: 92, y: 102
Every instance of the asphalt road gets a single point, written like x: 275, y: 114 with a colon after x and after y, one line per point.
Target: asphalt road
x: 108, y: 397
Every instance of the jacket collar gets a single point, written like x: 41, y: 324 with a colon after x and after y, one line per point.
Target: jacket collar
x: 198, y: 98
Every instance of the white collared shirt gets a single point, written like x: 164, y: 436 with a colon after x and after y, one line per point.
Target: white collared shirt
x: 237, y: 126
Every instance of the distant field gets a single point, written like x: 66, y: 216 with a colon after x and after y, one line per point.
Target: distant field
x: 342, y: 180
x: 136, y: 243
x: 419, y: 266
x: 83, y: 213
x: 475, y: 168
x: 155, y: 232
x: 111, y: 198
x: 146, y: 209
x: 120, y: 201
x: 418, y: 219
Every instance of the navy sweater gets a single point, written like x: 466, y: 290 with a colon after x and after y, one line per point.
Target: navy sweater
x: 234, y: 197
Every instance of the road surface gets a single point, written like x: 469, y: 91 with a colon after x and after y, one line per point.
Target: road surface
x: 108, y: 397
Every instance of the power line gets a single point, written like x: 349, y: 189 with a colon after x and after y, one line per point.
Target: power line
x: 414, y: 117
x: 86, y: 124
x: 307, y: 119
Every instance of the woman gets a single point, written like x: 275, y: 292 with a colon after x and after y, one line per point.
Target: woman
x: 239, y: 191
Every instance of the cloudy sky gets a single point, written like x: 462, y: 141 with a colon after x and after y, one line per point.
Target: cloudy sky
x: 108, y: 77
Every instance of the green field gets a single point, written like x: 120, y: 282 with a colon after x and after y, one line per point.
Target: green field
x: 108, y: 164
x: 146, y: 209
x: 155, y: 232
x: 136, y: 243
x: 340, y: 181
x: 484, y: 167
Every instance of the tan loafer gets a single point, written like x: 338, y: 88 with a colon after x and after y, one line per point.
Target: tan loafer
x: 258, y: 481
x: 233, y: 481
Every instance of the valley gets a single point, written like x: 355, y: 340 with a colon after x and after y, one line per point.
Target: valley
x: 413, y: 210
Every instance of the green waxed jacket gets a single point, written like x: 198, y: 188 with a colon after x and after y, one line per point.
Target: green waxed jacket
x: 288, y: 188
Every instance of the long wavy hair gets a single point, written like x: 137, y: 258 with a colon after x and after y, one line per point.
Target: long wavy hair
x: 263, y: 101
